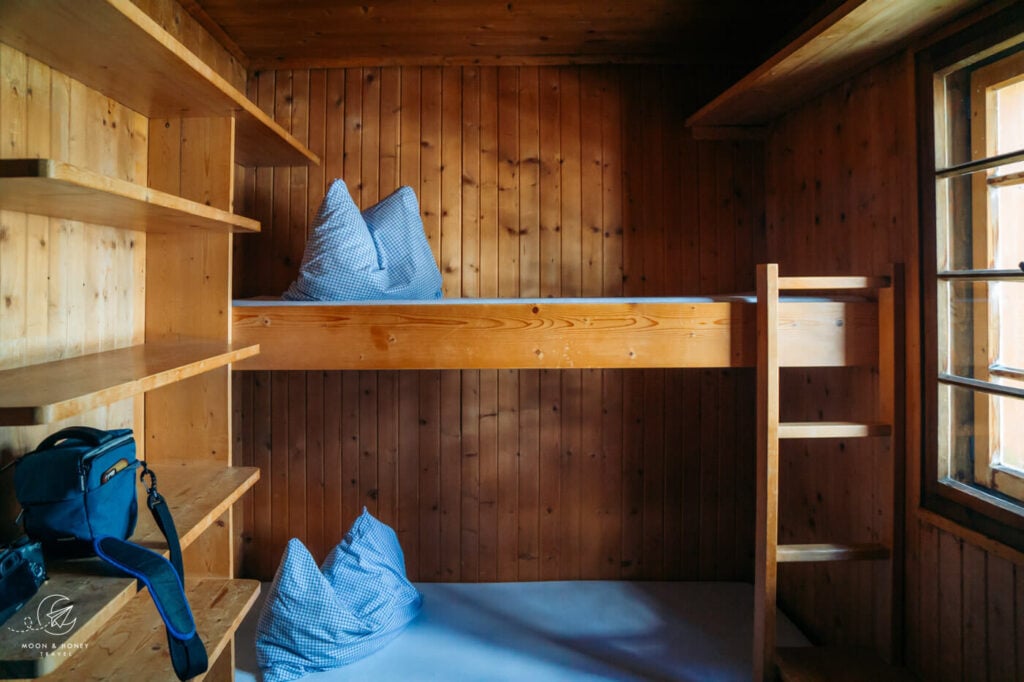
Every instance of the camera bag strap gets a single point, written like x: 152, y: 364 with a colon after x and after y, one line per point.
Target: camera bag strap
x: 165, y: 580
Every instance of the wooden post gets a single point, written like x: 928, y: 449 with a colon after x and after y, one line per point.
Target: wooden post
x: 767, y: 522
x: 891, y: 411
x: 188, y: 295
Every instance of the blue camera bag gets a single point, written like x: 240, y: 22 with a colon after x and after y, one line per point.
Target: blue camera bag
x: 79, y: 484
x: 78, y: 498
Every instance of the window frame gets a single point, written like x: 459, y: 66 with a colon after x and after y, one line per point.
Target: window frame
x: 981, y: 510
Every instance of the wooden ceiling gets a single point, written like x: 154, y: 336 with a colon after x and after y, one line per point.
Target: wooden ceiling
x: 302, y: 33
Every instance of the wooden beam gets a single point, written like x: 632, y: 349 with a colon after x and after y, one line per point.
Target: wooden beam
x: 767, y: 471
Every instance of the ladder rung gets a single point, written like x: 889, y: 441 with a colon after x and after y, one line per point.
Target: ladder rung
x: 820, y: 283
x: 832, y: 430
x: 830, y: 552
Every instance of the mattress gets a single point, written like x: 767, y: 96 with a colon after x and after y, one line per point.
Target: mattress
x: 724, y: 298
x: 562, y: 630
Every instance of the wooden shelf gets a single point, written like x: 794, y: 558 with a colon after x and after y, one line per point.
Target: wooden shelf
x: 47, y: 392
x: 855, y: 35
x: 198, y: 495
x: 114, y: 47
x: 135, y: 647
x: 58, y: 189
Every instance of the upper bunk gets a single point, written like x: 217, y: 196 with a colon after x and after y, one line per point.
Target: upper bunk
x: 549, y: 333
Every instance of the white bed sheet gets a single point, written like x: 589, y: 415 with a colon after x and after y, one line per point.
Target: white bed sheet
x: 727, y: 298
x: 560, y: 631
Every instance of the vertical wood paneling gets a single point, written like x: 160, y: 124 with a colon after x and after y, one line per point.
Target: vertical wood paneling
x: 366, y: 468
x: 591, y: 266
x: 549, y: 276
x: 992, y: 642
x: 450, y: 481
x: 315, y: 473
x: 387, y: 447
x: 430, y: 473
x: 532, y: 181
x: 965, y: 611
x: 66, y: 288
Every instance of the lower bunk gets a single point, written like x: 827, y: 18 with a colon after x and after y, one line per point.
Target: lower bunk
x: 560, y: 630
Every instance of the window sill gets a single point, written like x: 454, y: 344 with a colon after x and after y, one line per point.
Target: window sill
x: 994, y: 547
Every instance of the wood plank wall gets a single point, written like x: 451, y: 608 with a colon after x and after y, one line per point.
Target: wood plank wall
x: 533, y: 181
x: 66, y: 288
x: 841, y: 188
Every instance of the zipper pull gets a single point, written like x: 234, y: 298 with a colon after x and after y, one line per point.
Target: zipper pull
x: 81, y: 477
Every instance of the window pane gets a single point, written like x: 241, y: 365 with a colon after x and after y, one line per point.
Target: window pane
x: 955, y: 119
x: 958, y: 406
x: 981, y: 220
x: 967, y: 104
x: 1009, y: 448
x: 1009, y: 114
x: 955, y: 211
x: 1010, y: 351
x: 986, y: 434
x: 983, y: 331
x: 1008, y: 200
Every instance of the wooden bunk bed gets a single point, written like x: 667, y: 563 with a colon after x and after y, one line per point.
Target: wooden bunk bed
x: 552, y: 333
x: 827, y: 322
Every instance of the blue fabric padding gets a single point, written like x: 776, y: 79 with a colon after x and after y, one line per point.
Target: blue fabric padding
x: 315, y: 620
x: 379, y: 254
x: 158, y: 575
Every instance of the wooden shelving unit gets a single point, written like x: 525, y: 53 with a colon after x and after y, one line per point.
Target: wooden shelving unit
x: 47, y: 392
x: 116, y: 48
x: 854, y: 35
x: 198, y: 493
x: 219, y: 605
x: 201, y: 126
x: 61, y: 190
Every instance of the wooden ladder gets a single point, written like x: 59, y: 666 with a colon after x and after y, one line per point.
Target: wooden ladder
x: 770, y: 430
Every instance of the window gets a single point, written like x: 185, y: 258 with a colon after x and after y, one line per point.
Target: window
x: 971, y: 115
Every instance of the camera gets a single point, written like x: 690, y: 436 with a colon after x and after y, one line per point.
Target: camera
x: 22, y: 571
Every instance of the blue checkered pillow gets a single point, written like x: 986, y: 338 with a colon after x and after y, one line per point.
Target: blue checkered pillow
x: 317, y: 619
x: 402, y: 248
x: 367, y: 572
x: 301, y: 621
x: 381, y: 253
